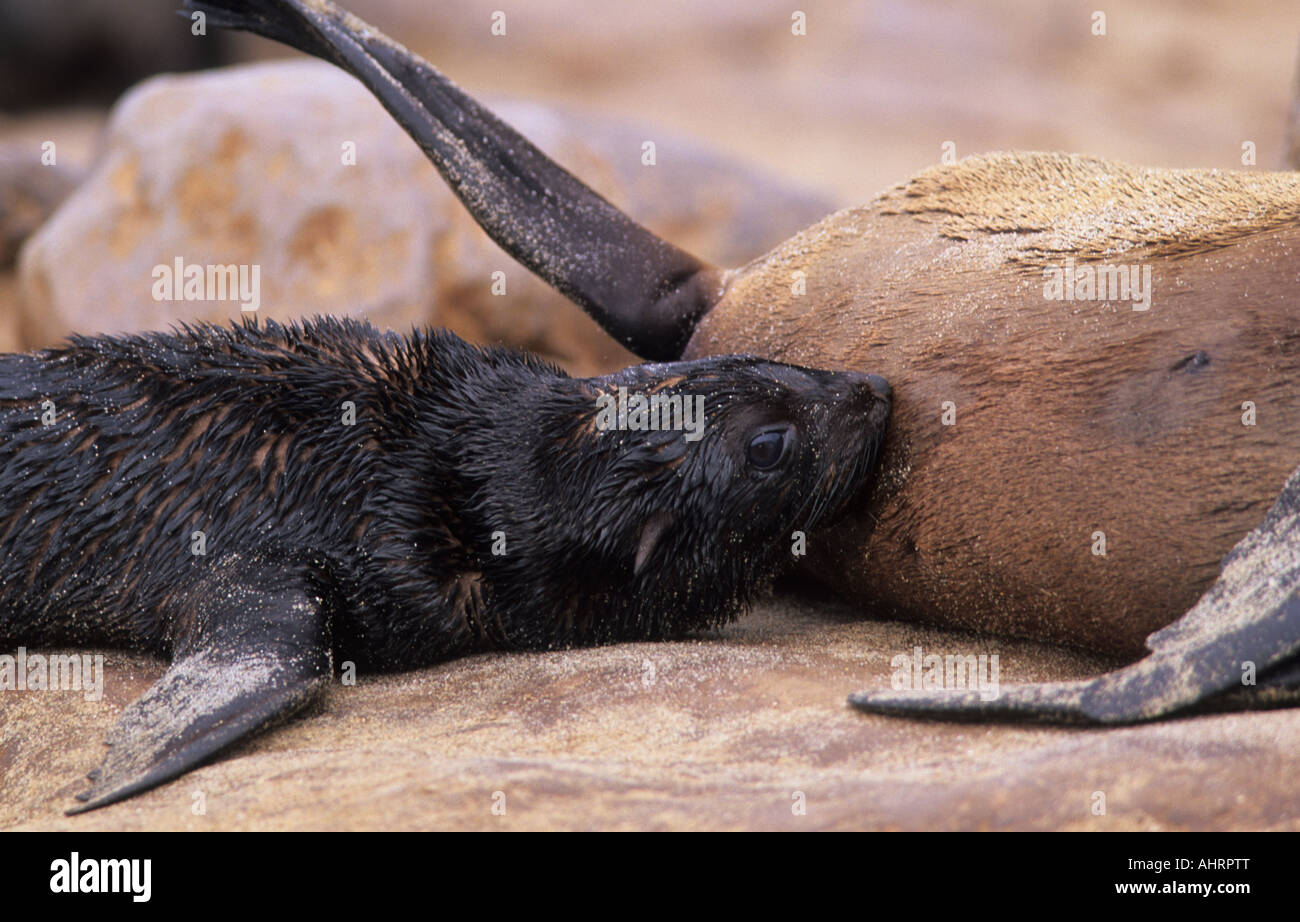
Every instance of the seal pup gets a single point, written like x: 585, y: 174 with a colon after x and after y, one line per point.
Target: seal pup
x: 259, y: 503
x: 1160, y: 415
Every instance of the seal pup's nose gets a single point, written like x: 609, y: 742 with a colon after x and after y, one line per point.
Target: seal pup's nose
x: 880, y: 387
x: 858, y: 386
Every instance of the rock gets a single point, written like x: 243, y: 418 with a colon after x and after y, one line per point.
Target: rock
x: 10, y: 335
x: 723, y: 732
x: 29, y: 192
x: 31, y: 189
x: 245, y: 166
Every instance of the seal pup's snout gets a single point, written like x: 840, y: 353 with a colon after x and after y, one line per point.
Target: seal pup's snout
x: 870, y: 394
x: 850, y: 395
x: 858, y: 387
x: 879, y: 387
x: 854, y: 434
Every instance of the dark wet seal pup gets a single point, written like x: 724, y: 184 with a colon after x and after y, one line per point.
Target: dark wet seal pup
x: 480, y: 501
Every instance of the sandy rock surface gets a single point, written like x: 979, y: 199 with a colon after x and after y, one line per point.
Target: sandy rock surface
x: 245, y: 166
x: 718, y: 733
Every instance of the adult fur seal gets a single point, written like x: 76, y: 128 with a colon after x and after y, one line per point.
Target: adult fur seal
x: 1165, y: 428
x: 203, y: 495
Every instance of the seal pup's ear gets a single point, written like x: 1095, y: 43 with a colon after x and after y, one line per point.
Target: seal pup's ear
x: 254, y: 647
x: 1238, y: 648
x: 652, y: 532
x: 644, y: 291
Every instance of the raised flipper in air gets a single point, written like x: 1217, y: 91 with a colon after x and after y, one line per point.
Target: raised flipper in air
x: 1238, y: 648
x: 644, y: 291
x: 252, y: 646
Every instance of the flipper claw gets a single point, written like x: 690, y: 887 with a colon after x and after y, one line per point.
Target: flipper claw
x: 1054, y: 701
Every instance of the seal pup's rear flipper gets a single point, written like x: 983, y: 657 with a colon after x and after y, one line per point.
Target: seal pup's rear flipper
x: 1237, y: 648
x: 255, y: 647
x: 645, y: 292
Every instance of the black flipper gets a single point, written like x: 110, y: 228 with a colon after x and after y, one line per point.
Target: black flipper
x: 645, y: 292
x: 1248, y: 621
x: 254, y: 647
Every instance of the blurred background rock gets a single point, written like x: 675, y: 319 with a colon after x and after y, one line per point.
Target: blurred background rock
x: 803, y: 124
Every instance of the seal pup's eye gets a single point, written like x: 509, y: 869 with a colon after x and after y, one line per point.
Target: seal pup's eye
x: 768, y: 447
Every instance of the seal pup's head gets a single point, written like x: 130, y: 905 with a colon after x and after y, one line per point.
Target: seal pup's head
x: 663, y: 497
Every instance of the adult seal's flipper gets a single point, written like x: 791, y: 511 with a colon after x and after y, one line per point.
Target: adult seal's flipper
x: 645, y: 292
x: 1237, y: 648
x: 253, y: 647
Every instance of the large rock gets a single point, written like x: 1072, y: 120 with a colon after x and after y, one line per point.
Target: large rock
x: 245, y: 166
x: 719, y: 733
x: 31, y: 188
x: 29, y: 192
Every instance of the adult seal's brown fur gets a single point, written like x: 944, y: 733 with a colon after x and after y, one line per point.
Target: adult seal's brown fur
x: 1068, y: 469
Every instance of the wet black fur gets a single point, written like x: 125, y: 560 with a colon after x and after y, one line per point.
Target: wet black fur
x: 238, y: 433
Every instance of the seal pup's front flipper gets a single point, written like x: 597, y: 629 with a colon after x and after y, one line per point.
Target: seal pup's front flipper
x: 254, y: 646
x: 1237, y: 648
x: 645, y: 292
